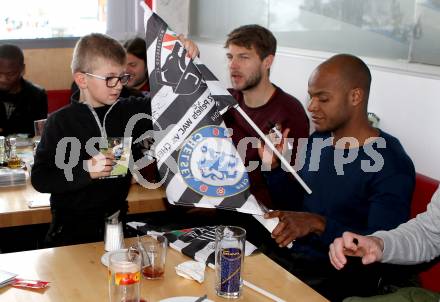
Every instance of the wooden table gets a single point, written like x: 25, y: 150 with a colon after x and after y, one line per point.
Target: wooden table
x: 15, y: 212
x: 76, y: 274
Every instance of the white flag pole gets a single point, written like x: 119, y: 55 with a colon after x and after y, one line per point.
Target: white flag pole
x: 272, y: 147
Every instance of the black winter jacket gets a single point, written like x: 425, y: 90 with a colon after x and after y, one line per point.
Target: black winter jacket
x: 83, y: 195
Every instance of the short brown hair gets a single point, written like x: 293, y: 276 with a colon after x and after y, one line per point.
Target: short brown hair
x: 255, y: 36
x: 94, y: 46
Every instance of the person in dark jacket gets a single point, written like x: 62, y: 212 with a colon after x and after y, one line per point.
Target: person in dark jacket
x: 21, y: 102
x: 68, y: 161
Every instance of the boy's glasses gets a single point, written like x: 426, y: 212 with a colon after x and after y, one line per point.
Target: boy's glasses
x: 112, y: 81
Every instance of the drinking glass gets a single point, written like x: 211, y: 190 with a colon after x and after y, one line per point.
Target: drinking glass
x: 124, y: 275
x: 154, y: 252
x: 229, y: 255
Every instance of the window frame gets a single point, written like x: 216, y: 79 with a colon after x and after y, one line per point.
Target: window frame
x: 64, y: 42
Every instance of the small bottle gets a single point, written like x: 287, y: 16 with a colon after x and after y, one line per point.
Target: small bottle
x: 13, y: 161
x: 36, y: 142
x: 2, y: 151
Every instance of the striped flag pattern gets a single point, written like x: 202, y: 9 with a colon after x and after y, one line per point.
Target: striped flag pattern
x: 196, y: 243
x: 195, y: 155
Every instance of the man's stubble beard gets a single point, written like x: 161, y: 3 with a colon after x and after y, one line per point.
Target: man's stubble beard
x: 252, y: 82
x: 138, y: 82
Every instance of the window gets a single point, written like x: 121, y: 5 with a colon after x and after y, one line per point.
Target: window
x: 388, y: 29
x: 30, y: 19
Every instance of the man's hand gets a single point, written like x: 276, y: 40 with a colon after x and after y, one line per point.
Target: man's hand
x: 370, y: 248
x: 191, y: 48
x: 266, y: 154
x: 294, y: 225
x: 101, y: 165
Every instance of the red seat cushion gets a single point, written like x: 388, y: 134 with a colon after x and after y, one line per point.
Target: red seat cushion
x: 57, y: 99
x: 424, y: 189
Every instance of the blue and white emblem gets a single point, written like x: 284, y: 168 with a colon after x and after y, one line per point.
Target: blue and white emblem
x: 210, y: 165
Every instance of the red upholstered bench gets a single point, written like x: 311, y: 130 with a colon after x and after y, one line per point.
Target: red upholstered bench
x: 57, y: 99
x: 425, y: 188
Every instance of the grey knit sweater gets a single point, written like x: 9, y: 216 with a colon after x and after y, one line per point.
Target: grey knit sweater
x: 415, y: 241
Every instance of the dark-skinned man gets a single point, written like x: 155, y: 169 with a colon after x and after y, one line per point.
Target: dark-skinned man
x: 21, y: 102
x: 361, y: 177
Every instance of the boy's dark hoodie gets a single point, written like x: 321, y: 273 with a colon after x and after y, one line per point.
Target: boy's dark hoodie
x: 84, y: 198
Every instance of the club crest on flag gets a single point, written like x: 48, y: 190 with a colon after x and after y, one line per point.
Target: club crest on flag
x: 210, y: 165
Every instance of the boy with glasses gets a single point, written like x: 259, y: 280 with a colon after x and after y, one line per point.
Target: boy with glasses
x: 112, y: 81
x: 125, y: 92
x: 68, y: 163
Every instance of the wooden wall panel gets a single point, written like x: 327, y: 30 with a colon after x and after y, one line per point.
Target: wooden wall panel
x: 49, y: 68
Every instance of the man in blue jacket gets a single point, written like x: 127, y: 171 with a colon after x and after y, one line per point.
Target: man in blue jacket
x: 361, y: 177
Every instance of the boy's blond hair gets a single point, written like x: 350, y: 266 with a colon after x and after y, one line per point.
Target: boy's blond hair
x: 96, y: 46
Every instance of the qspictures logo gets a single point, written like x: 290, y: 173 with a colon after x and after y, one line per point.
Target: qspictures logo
x: 203, y: 166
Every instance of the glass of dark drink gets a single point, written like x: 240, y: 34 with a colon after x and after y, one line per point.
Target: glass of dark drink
x: 154, y: 252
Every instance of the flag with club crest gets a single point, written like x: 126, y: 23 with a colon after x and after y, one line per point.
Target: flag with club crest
x: 195, y: 155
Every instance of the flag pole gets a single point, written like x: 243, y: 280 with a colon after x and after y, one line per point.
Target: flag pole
x: 272, y: 147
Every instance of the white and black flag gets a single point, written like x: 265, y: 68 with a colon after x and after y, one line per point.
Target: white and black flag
x: 197, y: 243
x: 195, y: 155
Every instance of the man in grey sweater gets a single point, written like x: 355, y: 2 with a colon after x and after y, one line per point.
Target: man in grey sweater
x: 415, y: 241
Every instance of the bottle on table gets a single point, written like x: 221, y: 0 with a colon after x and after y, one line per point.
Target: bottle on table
x: 13, y: 161
x: 2, y: 151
